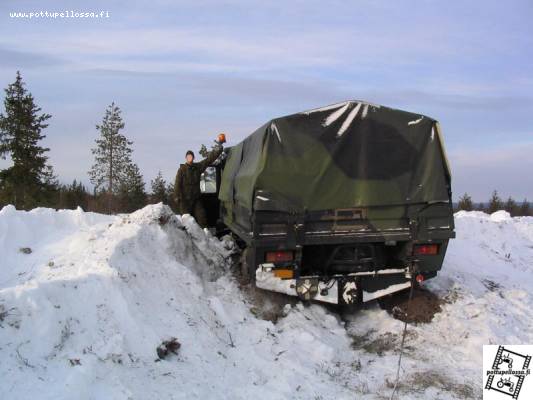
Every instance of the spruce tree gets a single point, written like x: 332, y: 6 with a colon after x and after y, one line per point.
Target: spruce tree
x: 112, y: 154
x: 510, y: 206
x: 495, y: 203
x: 132, y: 192
x: 170, y: 197
x: 465, y: 203
x: 30, y: 181
x: 159, y: 189
x: 525, y: 209
x: 137, y: 188
x: 73, y: 196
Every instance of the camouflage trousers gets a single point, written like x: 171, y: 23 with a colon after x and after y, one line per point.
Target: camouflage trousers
x: 194, y: 208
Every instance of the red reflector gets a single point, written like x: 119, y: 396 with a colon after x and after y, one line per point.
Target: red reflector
x: 426, y: 249
x: 278, y: 256
x: 420, y: 278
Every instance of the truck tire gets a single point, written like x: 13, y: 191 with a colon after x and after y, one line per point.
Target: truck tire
x: 246, y: 262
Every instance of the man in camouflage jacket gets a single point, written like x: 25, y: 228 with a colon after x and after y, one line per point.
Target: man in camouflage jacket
x: 187, y: 185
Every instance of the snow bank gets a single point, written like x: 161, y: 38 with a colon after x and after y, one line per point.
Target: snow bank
x: 486, y: 283
x: 85, y: 299
x: 84, y: 311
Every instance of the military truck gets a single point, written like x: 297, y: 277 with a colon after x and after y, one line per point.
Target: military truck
x: 341, y: 204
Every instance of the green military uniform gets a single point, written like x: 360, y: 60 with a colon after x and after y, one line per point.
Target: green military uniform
x: 187, y: 186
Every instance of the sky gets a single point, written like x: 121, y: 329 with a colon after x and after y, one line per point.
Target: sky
x: 183, y: 71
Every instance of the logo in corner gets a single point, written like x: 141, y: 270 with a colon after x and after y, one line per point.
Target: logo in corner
x: 506, y: 370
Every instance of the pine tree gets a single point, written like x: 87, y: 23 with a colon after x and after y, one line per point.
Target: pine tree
x: 112, y: 154
x: 525, y: 209
x: 30, y: 181
x: 159, y: 189
x: 465, y: 203
x: 495, y: 203
x: 510, y: 206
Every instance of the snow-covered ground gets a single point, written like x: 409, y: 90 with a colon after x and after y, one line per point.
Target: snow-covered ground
x: 85, y: 299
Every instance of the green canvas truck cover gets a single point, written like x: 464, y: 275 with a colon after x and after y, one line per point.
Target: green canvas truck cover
x: 350, y: 154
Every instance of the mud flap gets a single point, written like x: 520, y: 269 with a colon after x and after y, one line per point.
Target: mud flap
x: 349, y: 291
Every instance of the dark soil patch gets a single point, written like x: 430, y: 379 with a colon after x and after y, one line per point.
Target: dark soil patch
x: 423, y: 307
x: 381, y: 343
x: 170, y: 346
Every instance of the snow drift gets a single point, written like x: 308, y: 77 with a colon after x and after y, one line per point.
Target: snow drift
x: 85, y: 299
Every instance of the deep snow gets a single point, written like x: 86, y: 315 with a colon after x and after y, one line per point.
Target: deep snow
x: 81, y: 315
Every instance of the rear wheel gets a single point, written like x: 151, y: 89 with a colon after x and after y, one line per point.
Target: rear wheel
x: 247, y: 275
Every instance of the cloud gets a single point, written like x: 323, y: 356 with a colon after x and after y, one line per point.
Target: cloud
x: 496, y: 101
x: 14, y: 59
x: 180, y: 69
x: 165, y: 49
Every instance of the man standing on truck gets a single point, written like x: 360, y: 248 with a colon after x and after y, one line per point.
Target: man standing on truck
x: 187, y: 185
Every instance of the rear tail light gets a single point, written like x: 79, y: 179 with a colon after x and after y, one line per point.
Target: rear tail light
x: 426, y: 249
x: 279, y: 256
x: 420, y: 278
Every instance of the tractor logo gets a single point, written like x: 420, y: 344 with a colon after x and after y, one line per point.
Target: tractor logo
x: 508, y: 372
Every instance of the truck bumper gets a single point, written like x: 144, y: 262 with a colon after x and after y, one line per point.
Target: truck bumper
x: 339, y: 289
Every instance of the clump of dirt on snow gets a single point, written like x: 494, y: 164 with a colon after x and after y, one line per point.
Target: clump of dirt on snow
x: 422, y: 308
x: 167, y: 347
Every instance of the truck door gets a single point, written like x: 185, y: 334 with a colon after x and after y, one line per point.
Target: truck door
x: 209, y: 188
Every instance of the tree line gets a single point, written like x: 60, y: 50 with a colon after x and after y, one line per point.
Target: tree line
x: 31, y: 182
x: 117, y: 180
x: 495, y: 203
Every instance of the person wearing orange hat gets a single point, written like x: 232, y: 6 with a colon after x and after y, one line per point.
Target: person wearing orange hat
x: 187, y: 185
